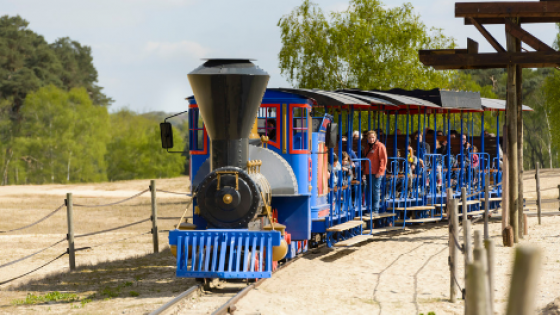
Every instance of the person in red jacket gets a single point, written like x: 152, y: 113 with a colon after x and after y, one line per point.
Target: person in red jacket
x: 377, y: 154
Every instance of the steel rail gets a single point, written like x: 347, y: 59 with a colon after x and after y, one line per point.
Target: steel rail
x: 167, y: 306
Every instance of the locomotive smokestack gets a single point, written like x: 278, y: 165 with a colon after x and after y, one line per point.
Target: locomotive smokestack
x: 228, y: 93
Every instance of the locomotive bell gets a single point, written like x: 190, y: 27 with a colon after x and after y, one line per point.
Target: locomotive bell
x: 228, y: 93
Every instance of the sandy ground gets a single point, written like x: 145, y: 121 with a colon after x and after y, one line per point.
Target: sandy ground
x: 110, y: 272
x: 125, y: 277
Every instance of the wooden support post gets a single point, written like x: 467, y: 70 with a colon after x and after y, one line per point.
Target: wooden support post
x: 155, y: 234
x: 70, y: 235
x: 507, y: 235
x: 453, y: 251
x: 538, y: 185
x: 479, y: 254
x: 524, y: 281
x: 511, y: 123
x: 467, y: 239
x: 476, y: 290
x: 525, y: 227
x: 489, y: 245
x: 519, y: 103
x: 486, y: 205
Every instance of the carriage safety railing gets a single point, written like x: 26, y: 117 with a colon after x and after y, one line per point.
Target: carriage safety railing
x: 71, y: 236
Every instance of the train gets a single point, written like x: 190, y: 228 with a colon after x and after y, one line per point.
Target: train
x: 263, y: 186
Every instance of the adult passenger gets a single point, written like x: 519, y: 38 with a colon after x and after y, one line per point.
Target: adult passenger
x: 377, y: 154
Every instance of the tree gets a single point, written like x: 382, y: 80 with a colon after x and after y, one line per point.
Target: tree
x: 78, y: 69
x: 367, y: 46
x: 63, y: 138
x: 26, y: 63
x: 135, y: 151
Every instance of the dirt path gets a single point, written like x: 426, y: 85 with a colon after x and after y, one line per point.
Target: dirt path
x: 404, y: 274
x: 349, y: 280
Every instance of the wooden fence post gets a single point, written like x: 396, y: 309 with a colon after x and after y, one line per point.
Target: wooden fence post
x: 155, y: 234
x: 479, y: 254
x: 524, y: 281
x: 476, y: 290
x: 525, y: 224
x: 70, y: 235
x: 453, y: 252
x: 538, y: 186
x: 486, y: 204
x: 464, y: 199
x: 489, y: 245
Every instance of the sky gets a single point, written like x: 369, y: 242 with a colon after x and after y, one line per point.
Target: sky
x: 144, y: 49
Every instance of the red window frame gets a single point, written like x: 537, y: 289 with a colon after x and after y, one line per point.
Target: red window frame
x: 193, y: 132
x: 275, y: 143
x: 307, y: 109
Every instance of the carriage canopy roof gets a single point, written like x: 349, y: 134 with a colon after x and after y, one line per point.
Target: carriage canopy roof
x: 498, y: 105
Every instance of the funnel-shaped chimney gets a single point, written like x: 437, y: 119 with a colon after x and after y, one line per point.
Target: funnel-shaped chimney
x: 228, y: 93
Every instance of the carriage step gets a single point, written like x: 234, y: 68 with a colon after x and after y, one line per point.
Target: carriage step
x: 376, y: 217
x: 469, y: 202
x: 384, y: 230
x: 416, y: 208
x: 353, y: 241
x: 491, y: 199
x: 344, y: 226
x: 421, y: 220
x: 479, y: 212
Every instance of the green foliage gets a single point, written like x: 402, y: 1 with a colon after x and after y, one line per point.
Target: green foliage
x: 55, y: 296
x: 134, y: 293
x: 27, y: 63
x: 135, y: 149
x: 63, y: 137
x: 368, y: 46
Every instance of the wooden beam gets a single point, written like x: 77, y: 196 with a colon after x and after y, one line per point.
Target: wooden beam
x: 536, y: 59
x: 523, y: 20
x: 488, y: 36
x: 442, y: 51
x: 526, y: 37
x: 472, y: 46
x: 508, y: 9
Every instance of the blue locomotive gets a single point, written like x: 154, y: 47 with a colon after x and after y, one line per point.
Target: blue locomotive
x: 263, y: 184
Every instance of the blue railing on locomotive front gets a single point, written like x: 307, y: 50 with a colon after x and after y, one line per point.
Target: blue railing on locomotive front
x: 497, y: 174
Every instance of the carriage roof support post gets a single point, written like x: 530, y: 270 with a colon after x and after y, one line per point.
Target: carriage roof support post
x: 395, y: 135
x: 448, y: 151
x: 482, y: 139
x: 461, y: 154
x: 406, y: 162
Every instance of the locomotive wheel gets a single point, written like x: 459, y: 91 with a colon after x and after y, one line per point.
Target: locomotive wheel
x: 232, y: 204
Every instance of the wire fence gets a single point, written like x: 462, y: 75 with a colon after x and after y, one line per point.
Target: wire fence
x: 70, y: 251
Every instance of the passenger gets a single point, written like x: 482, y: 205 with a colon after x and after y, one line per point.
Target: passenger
x: 335, y: 169
x: 377, y: 154
x: 439, y: 133
x: 466, y: 145
x: 424, y: 146
x: 271, y: 129
x: 347, y: 172
x: 475, y: 164
x: 355, y: 140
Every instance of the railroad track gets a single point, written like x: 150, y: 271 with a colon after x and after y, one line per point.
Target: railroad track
x: 217, y: 301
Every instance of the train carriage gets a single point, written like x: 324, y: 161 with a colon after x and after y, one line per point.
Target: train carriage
x: 262, y: 175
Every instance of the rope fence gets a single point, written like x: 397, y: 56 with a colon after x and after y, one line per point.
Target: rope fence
x: 70, y: 236
x: 36, y: 222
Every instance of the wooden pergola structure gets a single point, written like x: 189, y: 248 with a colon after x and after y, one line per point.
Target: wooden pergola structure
x: 512, y: 15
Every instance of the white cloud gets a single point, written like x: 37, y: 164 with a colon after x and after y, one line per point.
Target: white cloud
x: 180, y: 49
